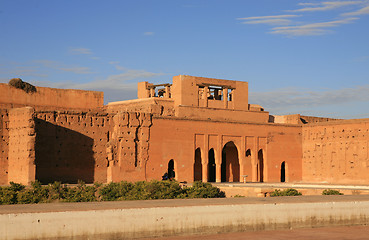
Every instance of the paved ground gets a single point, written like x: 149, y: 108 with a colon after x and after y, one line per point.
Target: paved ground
x: 354, y: 232
x: 61, y: 207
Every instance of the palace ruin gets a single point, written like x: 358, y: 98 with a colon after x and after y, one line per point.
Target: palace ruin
x: 203, y: 128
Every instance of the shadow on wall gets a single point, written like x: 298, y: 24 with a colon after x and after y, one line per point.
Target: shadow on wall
x: 62, y: 154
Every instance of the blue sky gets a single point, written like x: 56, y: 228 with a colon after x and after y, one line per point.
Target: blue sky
x: 309, y: 57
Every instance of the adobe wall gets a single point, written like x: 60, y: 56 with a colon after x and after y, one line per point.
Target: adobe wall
x: 50, y: 98
x: 155, y: 106
x: 21, y: 167
x: 4, y: 145
x: 128, y: 148
x: 185, y: 92
x: 221, y: 114
x: 298, y: 119
x: 178, y: 139
x: 71, y: 146
x: 336, y: 152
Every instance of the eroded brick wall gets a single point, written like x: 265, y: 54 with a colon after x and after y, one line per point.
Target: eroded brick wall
x: 71, y: 146
x: 336, y: 153
x: 4, y: 146
x: 21, y: 168
x: 129, y: 146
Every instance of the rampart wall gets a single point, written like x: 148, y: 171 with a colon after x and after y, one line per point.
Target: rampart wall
x: 71, y: 145
x: 50, y: 98
x: 4, y: 145
x: 336, y: 152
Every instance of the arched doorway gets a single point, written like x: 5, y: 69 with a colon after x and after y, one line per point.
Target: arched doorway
x: 211, y: 167
x: 230, y: 167
x: 171, y: 171
x: 197, y: 167
x: 283, y: 172
x: 260, y: 166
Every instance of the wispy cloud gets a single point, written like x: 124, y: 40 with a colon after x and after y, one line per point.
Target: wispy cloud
x: 63, y: 67
x: 77, y: 70
x: 311, y: 29
x: 362, y: 11
x: 78, y: 51
x: 122, y: 86
x: 22, y: 71
x: 271, y: 20
x: 325, y: 6
x: 285, y: 24
x: 282, y: 100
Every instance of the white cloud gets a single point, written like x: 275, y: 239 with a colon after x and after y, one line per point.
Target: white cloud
x: 78, y: 51
x: 362, y: 11
x: 325, y: 6
x: 271, y: 20
x: 311, y: 29
x: 285, y: 25
x: 268, y: 17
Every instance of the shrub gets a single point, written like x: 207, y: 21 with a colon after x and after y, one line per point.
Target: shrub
x: 238, y: 196
x: 81, y: 193
x: 55, y: 191
x: 18, y: 83
x: 286, y: 192
x: 163, y: 190
x: 37, y: 193
x: 203, y: 190
x: 7, y: 195
x: 331, y: 192
x: 115, y: 191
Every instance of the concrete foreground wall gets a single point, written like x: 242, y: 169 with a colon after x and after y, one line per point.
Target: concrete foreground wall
x: 173, y: 220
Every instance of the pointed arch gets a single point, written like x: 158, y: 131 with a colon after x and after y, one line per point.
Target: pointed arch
x: 211, y: 166
x: 230, y: 167
x: 260, y: 166
x: 197, y: 166
x: 171, y: 170
x: 283, y: 171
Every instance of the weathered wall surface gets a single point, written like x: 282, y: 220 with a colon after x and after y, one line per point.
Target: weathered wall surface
x: 21, y: 168
x: 51, y: 98
x: 179, y: 139
x: 336, y: 152
x: 71, y: 146
x: 4, y: 145
x: 128, y: 148
x: 298, y: 119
